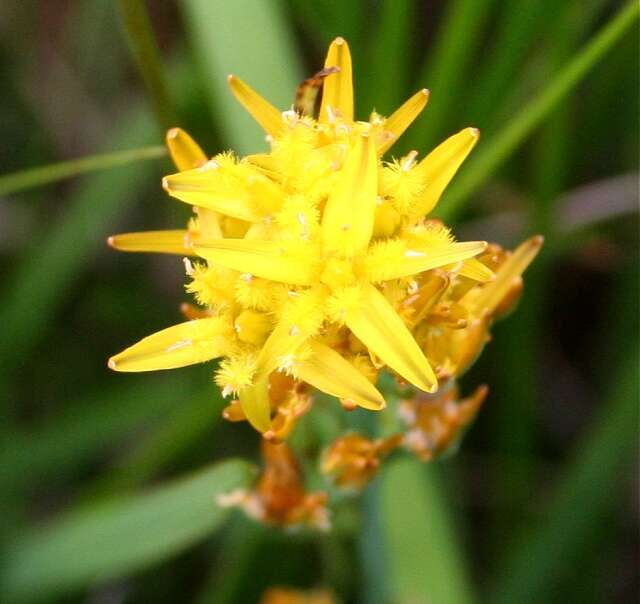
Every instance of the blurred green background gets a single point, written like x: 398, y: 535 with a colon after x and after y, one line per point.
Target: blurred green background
x: 539, y: 504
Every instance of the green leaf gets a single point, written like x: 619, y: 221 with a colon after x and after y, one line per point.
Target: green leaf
x: 44, y: 175
x: 188, y: 421
x: 424, y: 560
x: 520, y: 24
x: 493, y: 152
x: 50, y: 263
x: 87, y: 427
x: 445, y: 70
x: 145, y: 52
x: 590, y: 488
x: 390, y: 62
x: 253, y: 41
x: 119, y: 537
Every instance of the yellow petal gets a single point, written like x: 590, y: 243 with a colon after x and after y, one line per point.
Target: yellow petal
x: 474, y: 269
x: 327, y: 370
x: 511, y: 269
x: 377, y: 325
x: 440, y: 166
x: 164, y: 242
x: 177, y: 346
x: 407, y: 262
x: 255, y: 404
x: 402, y: 118
x: 349, y: 215
x: 260, y: 109
x: 282, y: 343
x: 208, y: 223
x: 337, y: 93
x: 255, y: 400
x: 185, y: 152
x: 202, y: 187
x: 266, y: 259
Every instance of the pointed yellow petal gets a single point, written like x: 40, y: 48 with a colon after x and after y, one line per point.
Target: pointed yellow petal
x: 402, y: 118
x: 474, y: 269
x: 381, y: 267
x: 177, y: 346
x: 349, y: 215
x: 185, y: 152
x: 266, y: 259
x: 282, y: 342
x: 377, y: 325
x: 203, y: 187
x: 255, y: 404
x: 260, y: 109
x: 337, y: 93
x: 440, y: 166
x: 164, y: 242
x: 328, y: 371
x: 511, y: 269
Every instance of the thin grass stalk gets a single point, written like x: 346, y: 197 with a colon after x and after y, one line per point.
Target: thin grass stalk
x: 494, y: 152
x: 144, y: 49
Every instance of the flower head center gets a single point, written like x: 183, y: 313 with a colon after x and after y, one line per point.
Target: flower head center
x: 338, y: 272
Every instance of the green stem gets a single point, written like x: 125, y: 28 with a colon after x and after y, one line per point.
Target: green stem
x: 44, y: 175
x: 591, y: 488
x: 144, y: 49
x: 496, y: 151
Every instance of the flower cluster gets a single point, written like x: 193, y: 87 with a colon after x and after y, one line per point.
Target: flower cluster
x: 316, y: 265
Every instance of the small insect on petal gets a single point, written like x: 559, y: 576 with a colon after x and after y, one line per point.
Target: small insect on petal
x: 337, y: 93
x: 163, y: 242
x: 185, y: 152
x: 177, y: 346
x: 260, y: 109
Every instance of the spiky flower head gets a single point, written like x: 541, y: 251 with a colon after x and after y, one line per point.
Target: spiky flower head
x: 318, y: 261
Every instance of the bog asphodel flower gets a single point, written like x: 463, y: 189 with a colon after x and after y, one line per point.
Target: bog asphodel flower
x: 279, y: 497
x: 316, y: 261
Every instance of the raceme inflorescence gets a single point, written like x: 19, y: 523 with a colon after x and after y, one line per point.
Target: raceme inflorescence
x: 316, y: 266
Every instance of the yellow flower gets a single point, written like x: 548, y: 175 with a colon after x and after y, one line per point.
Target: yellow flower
x: 435, y: 422
x: 279, y: 497
x: 314, y: 252
x: 352, y: 461
x: 287, y: 595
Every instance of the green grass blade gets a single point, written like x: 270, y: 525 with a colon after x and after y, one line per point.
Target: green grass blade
x: 445, y: 70
x: 119, y: 537
x: 260, y: 51
x: 44, y: 175
x: 520, y: 24
x: 390, y: 62
x: 425, y: 564
x: 493, y: 152
x: 180, y: 428
x: 51, y: 262
x: 324, y: 21
x: 144, y: 49
x: 590, y: 488
x: 87, y: 427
